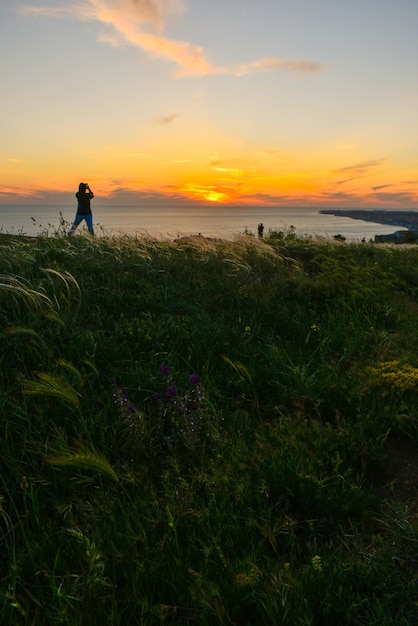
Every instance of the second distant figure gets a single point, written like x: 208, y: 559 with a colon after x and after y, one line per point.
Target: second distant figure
x: 83, y: 195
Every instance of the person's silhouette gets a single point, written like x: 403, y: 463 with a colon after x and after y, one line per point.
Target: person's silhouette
x: 83, y: 195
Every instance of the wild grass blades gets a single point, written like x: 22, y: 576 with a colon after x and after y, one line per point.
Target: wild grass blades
x: 147, y: 478
x: 23, y: 302
x: 19, y: 289
x: 21, y: 330
x: 244, y: 375
x: 84, y: 456
x: 95, y: 570
x: 53, y: 387
x: 8, y: 544
x: 70, y: 285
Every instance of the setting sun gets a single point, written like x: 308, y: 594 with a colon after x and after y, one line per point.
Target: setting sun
x: 206, y: 193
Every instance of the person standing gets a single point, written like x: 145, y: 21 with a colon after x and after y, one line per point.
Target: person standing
x: 83, y: 195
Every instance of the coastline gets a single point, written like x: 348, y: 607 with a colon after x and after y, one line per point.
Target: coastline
x: 406, y: 219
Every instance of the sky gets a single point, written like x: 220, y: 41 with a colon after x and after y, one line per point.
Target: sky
x: 187, y: 102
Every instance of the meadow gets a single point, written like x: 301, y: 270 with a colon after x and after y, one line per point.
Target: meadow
x: 202, y: 432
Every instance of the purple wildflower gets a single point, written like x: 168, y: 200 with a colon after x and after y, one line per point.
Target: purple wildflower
x: 195, y: 379
x: 165, y: 370
x: 171, y: 391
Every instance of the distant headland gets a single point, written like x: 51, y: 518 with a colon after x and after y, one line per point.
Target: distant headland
x: 406, y: 219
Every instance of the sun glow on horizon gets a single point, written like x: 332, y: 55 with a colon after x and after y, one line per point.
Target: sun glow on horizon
x: 202, y: 192
x: 174, y: 113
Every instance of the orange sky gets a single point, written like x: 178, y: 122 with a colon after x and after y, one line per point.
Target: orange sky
x: 169, y: 102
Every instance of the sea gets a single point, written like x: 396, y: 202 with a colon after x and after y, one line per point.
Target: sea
x: 174, y: 222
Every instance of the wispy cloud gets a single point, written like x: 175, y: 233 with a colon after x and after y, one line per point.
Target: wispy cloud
x: 167, y: 119
x: 141, y: 23
x: 361, y: 168
x: 233, y: 167
x: 378, y: 187
x: 272, y: 65
x: 231, y: 171
x: 79, y: 10
x: 358, y: 170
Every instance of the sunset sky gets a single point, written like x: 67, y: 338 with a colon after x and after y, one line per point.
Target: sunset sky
x: 175, y: 102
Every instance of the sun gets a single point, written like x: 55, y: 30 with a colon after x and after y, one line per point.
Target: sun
x: 208, y: 193
x: 215, y: 196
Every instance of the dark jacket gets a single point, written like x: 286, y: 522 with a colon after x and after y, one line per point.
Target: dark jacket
x: 84, y: 202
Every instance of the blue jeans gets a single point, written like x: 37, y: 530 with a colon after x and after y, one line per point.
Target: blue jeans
x: 79, y: 218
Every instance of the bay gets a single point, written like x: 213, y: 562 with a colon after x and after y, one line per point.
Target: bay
x: 172, y: 222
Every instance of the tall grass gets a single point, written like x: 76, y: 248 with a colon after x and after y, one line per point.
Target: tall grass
x: 196, y: 432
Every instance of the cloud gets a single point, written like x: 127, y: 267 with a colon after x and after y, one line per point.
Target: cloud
x: 80, y: 11
x: 233, y: 167
x: 131, y: 192
x: 167, y: 195
x: 339, y: 198
x: 272, y: 64
x: 167, y: 119
x: 231, y: 171
x: 106, y: 11
x: 31, y: 195
x: 359, y: 170
x: 140, y: 10
x: 401, y: 198
x: 377, y: 187
x: 130, y: 21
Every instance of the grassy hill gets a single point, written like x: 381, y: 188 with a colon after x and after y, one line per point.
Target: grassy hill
x: 207, y: 432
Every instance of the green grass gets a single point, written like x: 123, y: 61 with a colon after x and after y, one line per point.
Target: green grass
x: 196, y: 432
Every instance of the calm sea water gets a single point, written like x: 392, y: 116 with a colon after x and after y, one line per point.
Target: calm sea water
x: 171, y: 222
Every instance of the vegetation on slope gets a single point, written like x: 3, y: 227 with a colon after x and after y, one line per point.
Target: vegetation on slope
x: 202, y: 432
